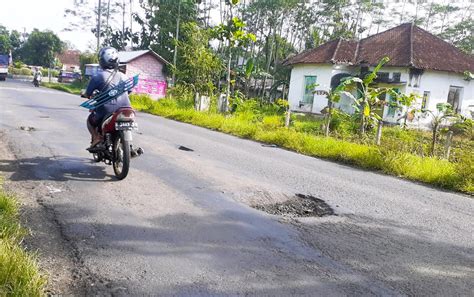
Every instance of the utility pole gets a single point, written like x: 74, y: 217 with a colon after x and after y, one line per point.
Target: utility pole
x: 175, y: 55
x: 99, y: 11
x: 123, y: 24
x: 131, y: 20
x: 108, y: 16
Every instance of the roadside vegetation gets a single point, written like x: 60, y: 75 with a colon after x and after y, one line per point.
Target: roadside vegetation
x: 403, y: 152
x: 19, y: 271
x: 73, y: 88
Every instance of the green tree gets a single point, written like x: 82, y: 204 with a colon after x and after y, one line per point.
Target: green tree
x: 461, y: 35
x: 158, y: 24
x: 87, y: 58
x: 198, y: 65
x: 41, y: 47
x: 5, y: 45
x: 234, y: 34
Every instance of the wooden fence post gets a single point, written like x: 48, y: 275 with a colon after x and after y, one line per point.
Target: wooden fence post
x: 379, y: 133
x: 447, y: 147
x: 288, y: 118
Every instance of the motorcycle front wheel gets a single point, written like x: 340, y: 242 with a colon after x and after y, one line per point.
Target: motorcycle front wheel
x: 121, y: 162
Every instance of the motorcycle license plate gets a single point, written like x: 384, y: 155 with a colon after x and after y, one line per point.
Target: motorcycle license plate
x: 125, y: 125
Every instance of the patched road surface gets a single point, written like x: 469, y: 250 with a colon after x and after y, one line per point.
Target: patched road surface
x: 197, y: 222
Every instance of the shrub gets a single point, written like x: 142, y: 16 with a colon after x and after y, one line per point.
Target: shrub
x: 22, y: 71
x: 183, y: 94
x: 272, y: 122
x: 464, y: 127
x: 26, y: 71
x: 54, y: 72
x: 19, y: 64
x: 342, y: 124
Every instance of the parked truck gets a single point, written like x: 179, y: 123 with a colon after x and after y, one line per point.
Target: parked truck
x: 4, y: 61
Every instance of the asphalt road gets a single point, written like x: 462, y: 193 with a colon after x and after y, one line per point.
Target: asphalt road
x: 182, y: 223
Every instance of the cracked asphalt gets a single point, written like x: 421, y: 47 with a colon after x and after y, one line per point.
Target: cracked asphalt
x: 182, y: 222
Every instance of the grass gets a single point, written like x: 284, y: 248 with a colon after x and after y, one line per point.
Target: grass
x: 68, y: 88
x: 19, y: 271
x: 303, y: 138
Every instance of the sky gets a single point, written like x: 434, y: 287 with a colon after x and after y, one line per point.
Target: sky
x: 26, y: 15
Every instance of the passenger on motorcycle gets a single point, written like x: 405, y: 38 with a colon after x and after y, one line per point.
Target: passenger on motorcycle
x: 103, y: 81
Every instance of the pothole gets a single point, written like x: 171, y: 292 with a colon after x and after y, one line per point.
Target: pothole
x: 299, y: 206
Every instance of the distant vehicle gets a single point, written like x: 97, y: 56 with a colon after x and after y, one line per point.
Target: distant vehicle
x: 4, y: 61
x: 68, y: 76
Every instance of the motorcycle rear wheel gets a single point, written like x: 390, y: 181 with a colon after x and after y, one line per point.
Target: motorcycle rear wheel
x: 121, y: 162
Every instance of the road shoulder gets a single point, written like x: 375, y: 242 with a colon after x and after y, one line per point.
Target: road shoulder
x: 57, y: 258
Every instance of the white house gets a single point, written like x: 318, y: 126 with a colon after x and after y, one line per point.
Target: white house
x: 419, y: 63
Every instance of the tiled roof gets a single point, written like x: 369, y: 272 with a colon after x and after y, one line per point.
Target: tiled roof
x: 125, y: 57
x: 406, y: 45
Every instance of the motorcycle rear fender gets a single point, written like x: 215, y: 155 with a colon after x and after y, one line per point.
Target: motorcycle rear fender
x: 124, y: 113
x: 127, y: 135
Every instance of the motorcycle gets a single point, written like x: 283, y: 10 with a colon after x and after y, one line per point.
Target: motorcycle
x: 117, y: 148
x: 37, y: 81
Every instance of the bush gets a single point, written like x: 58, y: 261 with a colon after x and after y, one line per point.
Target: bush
x: 54, y: 72
x: 464, y: 127
x: 272, y: 122
x: 19, y: 64
x: 22, y: 71
x: 342, y: 124
x: 26, y: 71
x: 184, y: 96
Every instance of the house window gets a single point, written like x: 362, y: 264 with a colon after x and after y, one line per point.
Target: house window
x: 309, y: 86
x: 382, y: 76
x: 425, y: 100
x: 454, y: 98
x: 415, y: 77
x: 396, y: 76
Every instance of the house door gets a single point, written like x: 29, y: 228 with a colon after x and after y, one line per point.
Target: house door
x: 306, y: 104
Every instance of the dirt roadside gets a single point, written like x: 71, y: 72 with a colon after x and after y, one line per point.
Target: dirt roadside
x: 57, y: 257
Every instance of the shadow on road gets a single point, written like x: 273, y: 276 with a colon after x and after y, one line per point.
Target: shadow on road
x: 61, y: 168
x: 395, y: 257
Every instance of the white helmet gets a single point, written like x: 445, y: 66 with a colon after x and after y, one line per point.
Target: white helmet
x: 108, y: 58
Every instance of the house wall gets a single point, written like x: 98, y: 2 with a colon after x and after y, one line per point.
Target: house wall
x: 438, y: 84
x: 152, y: 79
x: 323, y: 73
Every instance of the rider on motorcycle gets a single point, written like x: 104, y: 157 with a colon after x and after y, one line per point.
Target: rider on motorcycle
x: 102, y: 82
x: 37, y: 75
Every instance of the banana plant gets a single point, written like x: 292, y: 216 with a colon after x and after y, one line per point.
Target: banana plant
x: 368, y: 97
